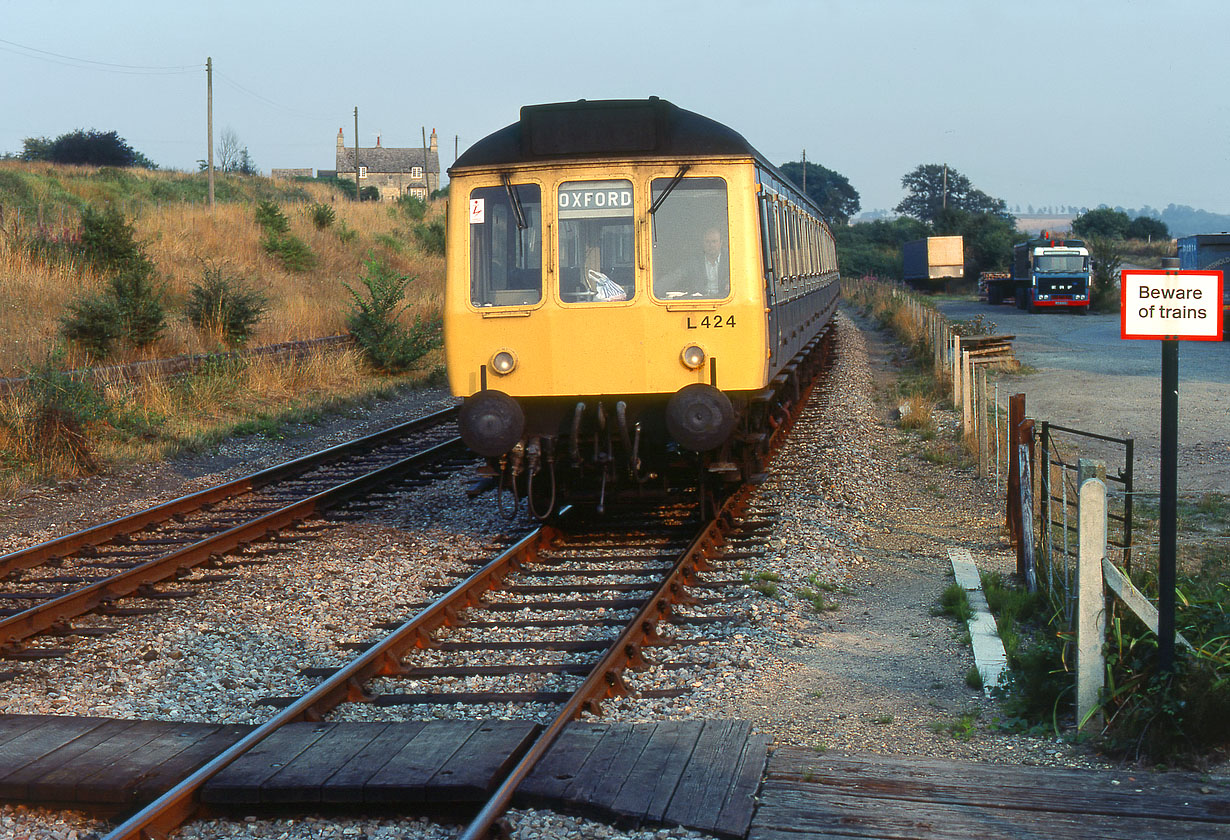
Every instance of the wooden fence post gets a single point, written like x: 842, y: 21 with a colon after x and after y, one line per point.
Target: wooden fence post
x: 956, y: 371
x: 1025, y: 565
x: 1016, y: 414
x: 1091, y: 602
x: 980, y: 424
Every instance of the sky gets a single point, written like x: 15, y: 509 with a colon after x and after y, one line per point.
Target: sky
x: 1084, y: 102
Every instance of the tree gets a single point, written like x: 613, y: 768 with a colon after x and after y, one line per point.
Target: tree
x: 1146, y: 227
x: 232, y: 155
x: 93, y: 148
x: 1112, y: 224
x: 934, y: 186
x: 838, y: 200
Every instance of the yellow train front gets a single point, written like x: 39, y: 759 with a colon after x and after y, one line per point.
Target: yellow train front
x: 625, y: 281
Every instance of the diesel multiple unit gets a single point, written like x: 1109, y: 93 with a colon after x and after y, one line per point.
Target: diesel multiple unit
x: 625, y: 281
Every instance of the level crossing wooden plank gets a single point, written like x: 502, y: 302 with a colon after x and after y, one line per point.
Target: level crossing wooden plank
x: 346, y: 785
x: 13, y: 726
x: 560, y: 765
x: 301, y: 780
x: 736, y: 815
x: 702, y: 789
x: 804, y: 811
x: 105, y: 773
x: 171, y: 762
x: 240, y: 781
x: 609, y: 758
x: 1118, y: 792
x: 404, y: 777
x: 482, y: 762
x: 648, y: 789
x: 25, y: 760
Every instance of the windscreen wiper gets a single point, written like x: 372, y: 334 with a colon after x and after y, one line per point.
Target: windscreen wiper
x: 515, y: 202
x: 674, y: 182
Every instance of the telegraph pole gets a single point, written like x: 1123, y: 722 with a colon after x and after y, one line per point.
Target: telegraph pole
x: 209, y: 120
x: 358, y: 196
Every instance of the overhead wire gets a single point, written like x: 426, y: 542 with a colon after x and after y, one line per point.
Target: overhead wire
x: 104, y: 66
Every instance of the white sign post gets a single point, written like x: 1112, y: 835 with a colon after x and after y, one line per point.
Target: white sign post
x: 1169, y: 305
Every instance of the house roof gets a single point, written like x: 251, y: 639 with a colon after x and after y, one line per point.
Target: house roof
x: 385, y: 159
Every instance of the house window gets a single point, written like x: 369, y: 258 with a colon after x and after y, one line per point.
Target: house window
x: 416, y: 172
x: 362, y: 171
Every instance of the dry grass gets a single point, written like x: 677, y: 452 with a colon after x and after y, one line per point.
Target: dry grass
x: 181, y: 239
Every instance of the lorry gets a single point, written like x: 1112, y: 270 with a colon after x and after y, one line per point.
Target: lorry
x: 1209, y: 252
x: 1048, y: 271
x: 936, y: 258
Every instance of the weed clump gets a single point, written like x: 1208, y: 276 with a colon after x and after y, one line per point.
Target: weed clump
x: 388, y: 345
x: 430, y: 237
x: 46, y: 426
x: 322, y: 215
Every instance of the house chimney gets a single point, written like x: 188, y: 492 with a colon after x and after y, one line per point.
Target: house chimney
x: 433, y: 140
x: 377, y: 139
x: 341, y: 141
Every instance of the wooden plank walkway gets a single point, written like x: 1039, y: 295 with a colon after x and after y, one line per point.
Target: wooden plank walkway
x: 808, y: 796
x: 699, y: 774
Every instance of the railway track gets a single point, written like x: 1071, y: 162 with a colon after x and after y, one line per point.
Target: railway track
x: 45, y: 586
x: 554, y: 621
x: 584, y: 602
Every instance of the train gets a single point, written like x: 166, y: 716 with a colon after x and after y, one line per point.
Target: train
x: 630, y: 289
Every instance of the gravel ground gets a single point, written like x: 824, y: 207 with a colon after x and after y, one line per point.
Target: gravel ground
x: 858, y: 514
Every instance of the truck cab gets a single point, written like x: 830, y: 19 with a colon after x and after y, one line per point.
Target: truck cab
x: 1051, y: 272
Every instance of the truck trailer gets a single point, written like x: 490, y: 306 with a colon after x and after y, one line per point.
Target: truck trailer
x: 1046, y: 272
x: 1209, y: 252
x: 928, y: 262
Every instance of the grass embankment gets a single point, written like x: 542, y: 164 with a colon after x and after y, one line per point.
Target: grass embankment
x: 60, y: 428
x: 183, y: 237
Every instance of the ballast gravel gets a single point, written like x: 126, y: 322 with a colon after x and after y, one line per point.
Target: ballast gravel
x: 828, y: 640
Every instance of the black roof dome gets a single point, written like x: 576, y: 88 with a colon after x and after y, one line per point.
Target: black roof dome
x: 634, y: 127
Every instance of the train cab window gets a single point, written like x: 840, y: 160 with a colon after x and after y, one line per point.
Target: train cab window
x: 506, y: 245
x: 691, y: 257
x: 597, y: 258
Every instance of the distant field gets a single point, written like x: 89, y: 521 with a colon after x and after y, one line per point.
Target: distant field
x: 1034, y: 225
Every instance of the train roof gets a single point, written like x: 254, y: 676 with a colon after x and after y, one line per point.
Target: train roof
x: 603, y: 128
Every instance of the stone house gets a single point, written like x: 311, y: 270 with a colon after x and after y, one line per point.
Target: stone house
x: 394, y: 172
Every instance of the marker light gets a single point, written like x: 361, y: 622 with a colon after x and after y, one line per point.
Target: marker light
x: 692, y: 357
x: 503, y: 362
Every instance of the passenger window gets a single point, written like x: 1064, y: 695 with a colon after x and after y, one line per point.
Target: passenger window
x: 597, y: 258
x: 506, y: 245
x: 690, y: 240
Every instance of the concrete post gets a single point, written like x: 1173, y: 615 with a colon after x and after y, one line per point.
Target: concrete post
x: 1091, y: 604
x: 956, y: 371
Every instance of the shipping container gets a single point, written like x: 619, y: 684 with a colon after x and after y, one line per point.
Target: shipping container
x: 934, y: 258
x: 1209, y: 252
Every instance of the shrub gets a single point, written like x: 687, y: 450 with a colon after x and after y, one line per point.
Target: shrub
x: 289, y: 250
x: 430, y: 237
x: 373, y: 322
x: 322, y: 215
x: 130, y: 308
x: 271, y: 218
x: 413, y: 207
x: 222, y: 304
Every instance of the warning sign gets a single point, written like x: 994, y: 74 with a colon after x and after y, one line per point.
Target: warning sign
x: 1171, y: 305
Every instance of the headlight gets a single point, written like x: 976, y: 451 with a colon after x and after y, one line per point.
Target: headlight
x: 692, y: 357
x: 503, y: 362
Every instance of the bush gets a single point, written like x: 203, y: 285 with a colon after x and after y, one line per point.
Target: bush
x: 130, y: 308
x: 413, y: 207
x: 430, y: 237
x: 271, y: 218
x: 289, y: 250
x: 322, y: 215
x: 222, y: 304
x: 387, y: 344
